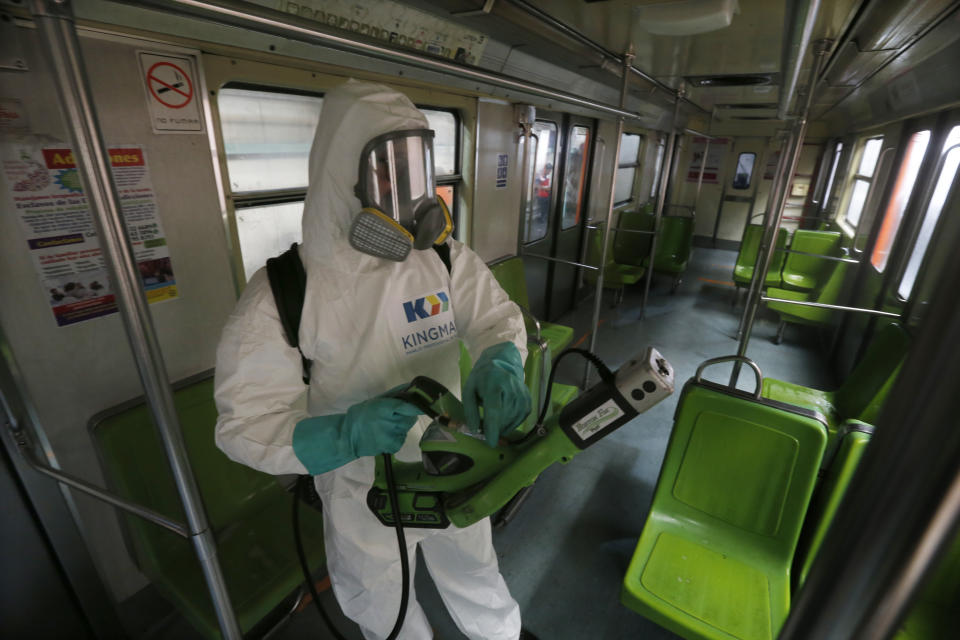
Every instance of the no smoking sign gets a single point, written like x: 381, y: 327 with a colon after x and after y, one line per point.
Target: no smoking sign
x: 170, y: 82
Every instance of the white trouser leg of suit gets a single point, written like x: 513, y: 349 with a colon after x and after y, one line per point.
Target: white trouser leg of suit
x: 366, y: 576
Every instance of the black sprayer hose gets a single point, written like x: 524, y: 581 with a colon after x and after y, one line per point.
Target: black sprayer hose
x: 299, y: 491
x: 605, y: 374
x: 401, y: 544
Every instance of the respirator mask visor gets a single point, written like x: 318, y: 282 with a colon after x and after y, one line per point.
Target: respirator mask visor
x: 397, y: 189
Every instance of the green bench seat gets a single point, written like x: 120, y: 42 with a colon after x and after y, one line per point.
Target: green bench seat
x: 853, y: 438
x: 674, y: 244
x: 749, y: 252
x: 249, y: 512
x: 633, y: 248
x: 615, y: 275
x: 509, y: 273
x: 714, y: 557
x: 807, y: 273
x: 863, y: 393
x: 828, y: 293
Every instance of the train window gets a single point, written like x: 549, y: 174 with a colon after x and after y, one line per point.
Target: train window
x: 627, y: 164
x: 658, y: 163
x: 949, y: 161
x: 538, y: 207
x: 862, y: 180
x: 446, y: 153
x: 833, y: 174
x: 575, y: 172
x: 267, y: 137
x: 744, y: 172
x: 902, y: 188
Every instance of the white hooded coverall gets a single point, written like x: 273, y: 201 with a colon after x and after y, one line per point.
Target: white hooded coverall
x: 367, y: 329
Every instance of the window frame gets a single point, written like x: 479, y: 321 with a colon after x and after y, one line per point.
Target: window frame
x: 856, y: 177
x: 636, y: 164
x: 454, y: 179
x: 832, y: 183
x: 264, y: 198
x: 753, y: 166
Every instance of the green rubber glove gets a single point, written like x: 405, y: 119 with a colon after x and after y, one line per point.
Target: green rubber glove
x: 496, y: 384
x: 371, y: 427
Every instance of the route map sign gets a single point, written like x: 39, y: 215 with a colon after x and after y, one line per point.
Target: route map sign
x: 170, y: 83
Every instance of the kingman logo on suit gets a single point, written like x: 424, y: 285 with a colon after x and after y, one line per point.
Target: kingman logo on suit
x: 427, y: 320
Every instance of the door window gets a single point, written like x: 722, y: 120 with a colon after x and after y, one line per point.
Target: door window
x: 828, y: 191
x: 544, y: 147
x: 744, y: 173
x: 862, y: 180
x: 575, y: 181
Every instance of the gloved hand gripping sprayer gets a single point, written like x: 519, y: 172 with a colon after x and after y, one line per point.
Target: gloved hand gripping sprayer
x: 461, y: 480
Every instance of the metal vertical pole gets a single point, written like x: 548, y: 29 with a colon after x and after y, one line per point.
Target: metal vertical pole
x: 54, y: 20
x: 791, y: 157
x: 598, y: 299
x: 703, y: 166
x: 526, y: 116
x: 768, y: 235
x: 661, y: 197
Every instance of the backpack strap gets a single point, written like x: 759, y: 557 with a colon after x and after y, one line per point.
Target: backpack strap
x: 288, y: 281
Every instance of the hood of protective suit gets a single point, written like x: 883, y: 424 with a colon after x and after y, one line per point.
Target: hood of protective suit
x: 353, y: 114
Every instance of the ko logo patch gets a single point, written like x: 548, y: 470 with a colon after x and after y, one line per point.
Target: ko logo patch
x: 425, y: 321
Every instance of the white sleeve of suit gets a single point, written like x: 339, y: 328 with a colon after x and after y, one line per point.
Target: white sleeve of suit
x: 258, y: 385
x: 484, y: 314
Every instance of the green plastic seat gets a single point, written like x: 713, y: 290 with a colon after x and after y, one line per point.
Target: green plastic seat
x: 615, y: 275
x: 828, y: 293
x: 674, y: 244
x: 509, y: 273
x: 715, y: 554
x: 248, y: 511
x: 749, y: 251
x: 806, y: 273
x: 863, y: 393
x: 853, y: 439
x: 633, y: 248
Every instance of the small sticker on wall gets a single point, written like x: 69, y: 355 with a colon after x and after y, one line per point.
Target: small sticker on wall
x: 503, y: 160
x: 171, y: 88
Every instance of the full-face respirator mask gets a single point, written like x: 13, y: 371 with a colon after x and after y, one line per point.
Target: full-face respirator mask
x: 396, y: 187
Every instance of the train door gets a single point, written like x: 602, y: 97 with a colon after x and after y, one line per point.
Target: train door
x: 570, y: 212
x: 553, y: 214
x: 743, y: 167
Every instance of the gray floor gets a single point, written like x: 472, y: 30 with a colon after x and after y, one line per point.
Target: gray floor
x: 565, y: 553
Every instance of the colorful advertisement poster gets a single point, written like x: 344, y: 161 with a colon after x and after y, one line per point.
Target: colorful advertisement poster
x: 715, y: 156
x: 44, y: 186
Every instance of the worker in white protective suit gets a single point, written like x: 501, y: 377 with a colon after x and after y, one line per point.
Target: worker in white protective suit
x: 381, y: 308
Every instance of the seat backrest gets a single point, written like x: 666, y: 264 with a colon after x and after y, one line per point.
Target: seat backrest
x: 825, y: 243
x: 509, y: 273
x: 750, y: 246
x: 853, y: 437
x: 831, y: 289
x: 863, y: 392
x: 739, y: 471
x: 632, y: 248
x: 675, y: 239
x: 136, y: 467
x: 779, y: 257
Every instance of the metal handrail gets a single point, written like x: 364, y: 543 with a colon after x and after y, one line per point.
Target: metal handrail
x: 818, y: 255
x: 561, y: 261
x: 835, y: 307
x: 737, y: 359
x: 26, y: 452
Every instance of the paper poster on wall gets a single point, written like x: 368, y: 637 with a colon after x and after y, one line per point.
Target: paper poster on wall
x: 716, y: 152
x: 502, y: 167
x: 171, y: 90
x: 47, y: 198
